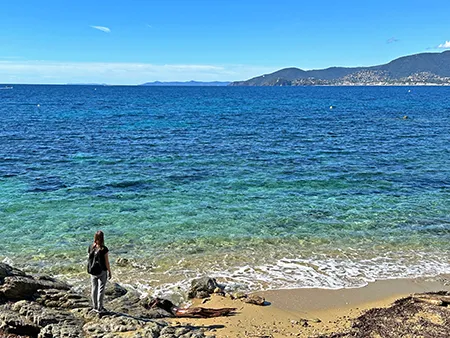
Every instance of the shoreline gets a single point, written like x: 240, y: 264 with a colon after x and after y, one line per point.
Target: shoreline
x: 310, y: 312
x: 402, y: 306
x: 317, y: 299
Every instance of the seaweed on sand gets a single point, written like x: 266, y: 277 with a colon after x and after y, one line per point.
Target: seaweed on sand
x: 422, y: 315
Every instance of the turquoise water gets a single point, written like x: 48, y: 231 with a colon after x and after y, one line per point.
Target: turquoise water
x: 267, y: 187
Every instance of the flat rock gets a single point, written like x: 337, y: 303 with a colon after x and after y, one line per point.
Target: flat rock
x: 43, y: 316
x: 61, y: 299
x: 61, y: 330
x: 24, y: 287
x: 13, y: 323
x: 120, y: 323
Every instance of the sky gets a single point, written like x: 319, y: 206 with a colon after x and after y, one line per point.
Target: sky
x: 136, y: 41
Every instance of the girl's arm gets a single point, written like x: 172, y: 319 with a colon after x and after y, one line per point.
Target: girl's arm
x: 107, y: 266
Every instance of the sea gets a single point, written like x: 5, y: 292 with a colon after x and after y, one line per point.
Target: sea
x: 259, y: 187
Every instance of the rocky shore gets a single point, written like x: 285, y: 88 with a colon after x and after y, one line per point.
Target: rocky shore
x: 43, y: 307
x: 40, y: 306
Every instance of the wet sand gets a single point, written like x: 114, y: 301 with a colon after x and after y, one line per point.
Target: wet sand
x: 309, y: 312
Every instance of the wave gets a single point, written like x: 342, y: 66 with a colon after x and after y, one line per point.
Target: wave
x: 312, y: 273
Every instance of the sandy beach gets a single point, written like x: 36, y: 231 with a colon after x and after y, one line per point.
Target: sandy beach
x: 309, y: 312
x: 43, y: 306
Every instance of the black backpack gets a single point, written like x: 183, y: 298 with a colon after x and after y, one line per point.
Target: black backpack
x: 94, y: 267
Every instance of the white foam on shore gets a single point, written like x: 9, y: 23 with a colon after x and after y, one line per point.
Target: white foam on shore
x: 332, y: 273
x: 320, y: 272
x: 346, y: 270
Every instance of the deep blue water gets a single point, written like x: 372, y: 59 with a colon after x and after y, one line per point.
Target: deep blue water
x: 280, y: 187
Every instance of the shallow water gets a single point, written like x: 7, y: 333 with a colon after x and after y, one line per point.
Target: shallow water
x: 266, y: 187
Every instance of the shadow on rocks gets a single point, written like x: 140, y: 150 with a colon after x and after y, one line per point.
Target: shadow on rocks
x: 43, y: 307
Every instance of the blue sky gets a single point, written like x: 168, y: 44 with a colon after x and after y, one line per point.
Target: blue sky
x: 131, y: 42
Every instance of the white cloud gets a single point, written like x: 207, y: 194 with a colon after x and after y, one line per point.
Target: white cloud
x: 102, y: 28
x: 122, y: 73
x: 446, y: 44
x: 11, y: 57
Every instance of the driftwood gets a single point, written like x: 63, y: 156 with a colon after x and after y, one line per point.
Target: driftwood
x: 193, y: 312
x: 434, y: 299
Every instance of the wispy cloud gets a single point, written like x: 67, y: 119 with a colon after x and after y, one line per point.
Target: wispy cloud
x: 102, y: 28
x: 445, y: 45
x: 391, y: 40
x: 149, y: 26
x: 11, y: 57
x: 122, y: 73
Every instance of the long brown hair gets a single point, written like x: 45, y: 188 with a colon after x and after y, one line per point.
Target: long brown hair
x: 99, y: 239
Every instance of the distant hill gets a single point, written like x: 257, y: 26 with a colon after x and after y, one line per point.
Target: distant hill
x: 424, y: 68
x: 87, y: 84
x: 187, y: 83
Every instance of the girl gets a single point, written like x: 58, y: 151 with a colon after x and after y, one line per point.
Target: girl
x: 99, y: 269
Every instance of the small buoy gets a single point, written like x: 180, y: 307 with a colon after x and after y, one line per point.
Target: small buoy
x: 331, y: 107
x: 405, y: 117
x: 409, y: 90
x: 38, y: 105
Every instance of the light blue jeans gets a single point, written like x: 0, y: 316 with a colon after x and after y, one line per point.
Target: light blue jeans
x: 98, y: 290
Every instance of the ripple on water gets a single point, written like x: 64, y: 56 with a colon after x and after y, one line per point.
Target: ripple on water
x: 262, y: 186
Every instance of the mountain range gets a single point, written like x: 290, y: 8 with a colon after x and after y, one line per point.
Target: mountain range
x: 417, y: 69
x: 187, y: 83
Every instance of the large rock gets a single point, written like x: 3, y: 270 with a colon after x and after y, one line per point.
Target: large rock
x: 24, y: 287
x: 13, y: 323
x: 33, y: 320
x: 114, y: 290
x: 130, y: 304
x: 43, y: 316
x: 7, y: 271
x: 61, y: 299
x: 202, y: 287
x: 154, y: 312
